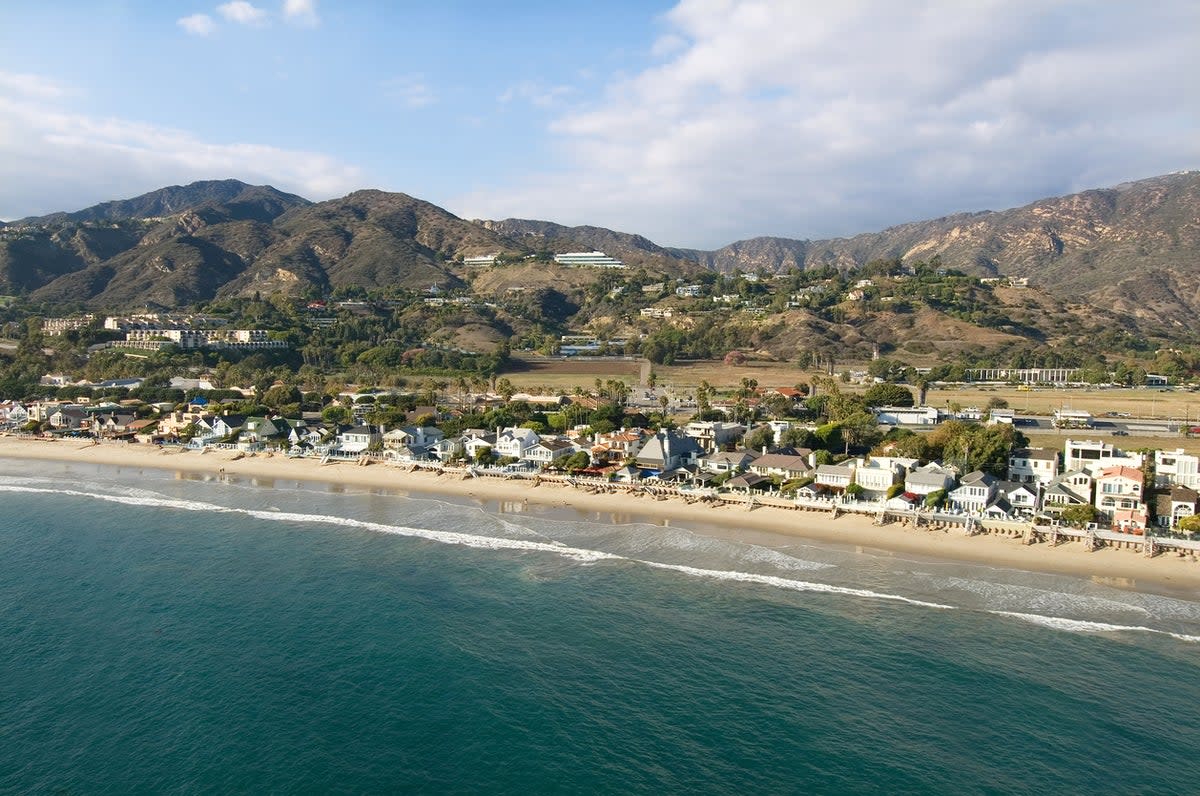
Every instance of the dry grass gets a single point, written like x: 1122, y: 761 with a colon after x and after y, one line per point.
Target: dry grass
x: 1144, y: 402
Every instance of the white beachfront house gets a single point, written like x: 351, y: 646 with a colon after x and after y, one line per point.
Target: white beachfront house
x: 1033, y: 465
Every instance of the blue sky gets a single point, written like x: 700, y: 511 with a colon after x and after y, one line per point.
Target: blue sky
x: 695, y: 123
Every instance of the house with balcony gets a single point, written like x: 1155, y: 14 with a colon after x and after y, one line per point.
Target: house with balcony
x: 1074, y: 488
x: 1119, y: 498
x: 514, y: 442
x: 668, y: 450
x: 836, y: 476
x: 786, y: 466
x: 714, y: 435
x: 976, y: 491
x: 1173, y: 504
x: 1033, y: 465
x: 727, y: 461
x: 880, y: 473
x: 1176, y: 468
x: 548, y: 451
x: 930, y: 478
x: 1094, y: 456
x: 358, y: 439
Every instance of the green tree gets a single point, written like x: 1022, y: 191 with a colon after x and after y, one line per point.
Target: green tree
x: 1189, y: 524
x: 759, y: 438
x: 1079, y: 515
x: 888, y: 395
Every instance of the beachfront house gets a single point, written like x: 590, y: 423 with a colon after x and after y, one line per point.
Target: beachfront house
x: 473, y: 445
x: 69, y: 417
x: 1176, y: 468
x: 412, y: 437
x: 549, y: 451
x: 1072, y: 488
x: 1119, y: 493
x: 929, y: 478
x: 836, y: 476
x: 878, y: 474
x: 975, y: 492
x: 727, y: 461
x: 358, y: 439
x: 13, y: 413
x: 1033, y: 465
x: 668, y: 450
x: 225, y: 426
x: 1173, y: 504
x: 786, y: 466
x: 622, y: 444
x: 1023, y: 499
x: 515, y: 443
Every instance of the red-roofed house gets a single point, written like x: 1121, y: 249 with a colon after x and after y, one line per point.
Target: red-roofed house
x: 1119, y: 498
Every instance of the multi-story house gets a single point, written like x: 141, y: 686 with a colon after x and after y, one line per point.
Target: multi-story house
x: 975, y: 492
x: 1119, y: 498
x: 1176, y: 468
x: 714, y: 435
x: 836, y: 476
x: 783, y: 465
x: 1033, y: 465
x: 358, y: 439
x: 1174, y: 504
x: 548, y: 451
x: 727, y: 461
x: 929, y: 478
x: 1094, y: 456
x: 667, y: 450
x: 514, y: 443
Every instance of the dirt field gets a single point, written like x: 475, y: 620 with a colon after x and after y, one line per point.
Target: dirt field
x: 1142, y: 402
x: 551, y: 374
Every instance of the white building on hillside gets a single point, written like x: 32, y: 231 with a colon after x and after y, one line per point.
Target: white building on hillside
x: 588, y: 260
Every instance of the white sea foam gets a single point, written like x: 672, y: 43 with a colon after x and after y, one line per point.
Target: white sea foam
x: 1084, y: 626
x: 790, y: 584
x: 579, y: 554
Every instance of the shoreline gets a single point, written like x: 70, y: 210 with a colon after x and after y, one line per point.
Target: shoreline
x: 765, y: 525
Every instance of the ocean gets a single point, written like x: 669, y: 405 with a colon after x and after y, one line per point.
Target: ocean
x: 162, y: 632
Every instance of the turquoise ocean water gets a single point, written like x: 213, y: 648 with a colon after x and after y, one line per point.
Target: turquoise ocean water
x: 169, y: 634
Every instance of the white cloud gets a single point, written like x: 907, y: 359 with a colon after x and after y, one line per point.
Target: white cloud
x: 535, y: 93
x: 27, y: 85
x: 778, y: 117
x: 52, y: 158
x: 197, y: 24
x: 243, y: 13
x: 301, y: 12
x: 409, y: 90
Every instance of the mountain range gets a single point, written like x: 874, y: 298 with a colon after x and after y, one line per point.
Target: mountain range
x: 1132, y: 248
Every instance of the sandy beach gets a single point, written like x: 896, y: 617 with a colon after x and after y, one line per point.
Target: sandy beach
x: 763, y: 525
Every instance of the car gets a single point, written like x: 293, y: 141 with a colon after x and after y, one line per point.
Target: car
x: 1120, y: 432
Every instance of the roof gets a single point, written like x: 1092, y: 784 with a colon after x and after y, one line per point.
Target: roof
x: 782, y: 462
x: 1043, y: 454
x: 1121, y: 472
x: 746, y: 480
